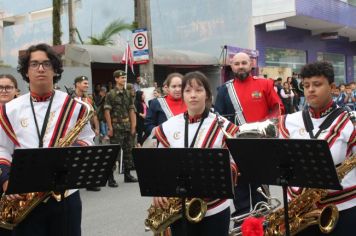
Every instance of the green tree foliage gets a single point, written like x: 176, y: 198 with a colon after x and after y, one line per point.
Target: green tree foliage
x: 114, y: 28
x: 56, y: 22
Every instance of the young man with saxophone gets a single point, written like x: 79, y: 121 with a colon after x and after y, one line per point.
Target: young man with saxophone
x: 324, y: 119
x: 39, y: 119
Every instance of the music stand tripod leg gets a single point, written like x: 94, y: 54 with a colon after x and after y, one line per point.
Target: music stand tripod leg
x: 286, y: 215
x: 184, y: 219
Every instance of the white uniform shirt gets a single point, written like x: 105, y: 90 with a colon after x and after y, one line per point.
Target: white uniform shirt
x: 19, y: 118
x: 341, y: 138
x: 171, y: 134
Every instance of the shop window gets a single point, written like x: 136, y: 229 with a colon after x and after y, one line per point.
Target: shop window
x: 338, y: 62
x: 283, y: 57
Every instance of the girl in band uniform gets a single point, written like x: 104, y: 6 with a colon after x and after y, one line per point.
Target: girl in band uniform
x: 8, y: 88
x: 198, y: 128
x: 163, y: 108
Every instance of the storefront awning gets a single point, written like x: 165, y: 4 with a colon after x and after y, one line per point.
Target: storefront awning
x: 87, y: 54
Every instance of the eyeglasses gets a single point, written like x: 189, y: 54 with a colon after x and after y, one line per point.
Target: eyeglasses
x: 45, y: 65
x: 6, y: 88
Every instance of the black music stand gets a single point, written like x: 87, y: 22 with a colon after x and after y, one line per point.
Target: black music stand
x: 59, y: 169
x: 285, y: 162
x: 183, y: 173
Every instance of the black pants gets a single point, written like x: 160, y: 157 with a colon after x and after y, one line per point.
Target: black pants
x: 52, y: 218
x: 344, y: 227
x: 5, y: 232
x: 214, y: 225
x: 140, y: 131
x: 242, y: 201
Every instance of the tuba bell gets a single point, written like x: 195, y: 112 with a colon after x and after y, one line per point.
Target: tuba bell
x: 261, y: 209
x: 264, y: 129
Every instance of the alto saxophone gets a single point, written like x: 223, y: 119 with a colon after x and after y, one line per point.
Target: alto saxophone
x: 303, y: 211
x: 12, y: 212
x: 159, y: 219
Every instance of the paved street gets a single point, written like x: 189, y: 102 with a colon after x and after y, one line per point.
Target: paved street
x: 114, y: 211
x: 118, y: 211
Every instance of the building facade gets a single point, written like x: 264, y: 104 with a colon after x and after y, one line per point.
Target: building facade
x: 290, y: 33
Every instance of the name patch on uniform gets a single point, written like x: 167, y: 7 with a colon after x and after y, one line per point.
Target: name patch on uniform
x: 177, y: 135
x: 256, y: 94
x: 302, y: 131
x: 24, y: 122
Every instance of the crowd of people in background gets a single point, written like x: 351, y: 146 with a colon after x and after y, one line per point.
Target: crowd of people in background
x: 291, y: 92
x: 140, y: 102
x: 345, y: 95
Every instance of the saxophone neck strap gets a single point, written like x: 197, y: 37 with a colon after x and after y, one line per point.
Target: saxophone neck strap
x: 45, y: 121
x: 308, y: 124
x: 186, y: 129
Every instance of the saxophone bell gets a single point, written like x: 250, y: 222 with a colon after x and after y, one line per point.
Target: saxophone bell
x: 195, y: 209
x: 159, y: 219
x: 328, y: 218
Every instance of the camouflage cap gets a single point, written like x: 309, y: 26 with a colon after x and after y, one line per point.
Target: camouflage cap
x: 80, y: 79
x: 119, y: 73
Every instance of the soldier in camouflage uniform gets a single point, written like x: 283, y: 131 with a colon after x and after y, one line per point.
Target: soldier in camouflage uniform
x: 119, y: 112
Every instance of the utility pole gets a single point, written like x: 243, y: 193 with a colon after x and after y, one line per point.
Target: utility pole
x: 143, y: 18
x: 56, y: 22
x: 71, y: 21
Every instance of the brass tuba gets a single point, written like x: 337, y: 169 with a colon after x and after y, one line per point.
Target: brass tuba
x: 261, y: 209
x: 263, y: 129
x: 12, y: 212
x: 159, y: 219
x: 303, y: 211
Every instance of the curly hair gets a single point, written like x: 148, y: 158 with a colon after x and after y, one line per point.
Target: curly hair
x: 56, y: 62
x: 319, y: 68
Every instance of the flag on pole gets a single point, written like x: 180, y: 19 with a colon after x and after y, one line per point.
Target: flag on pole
x: 128, y: 58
